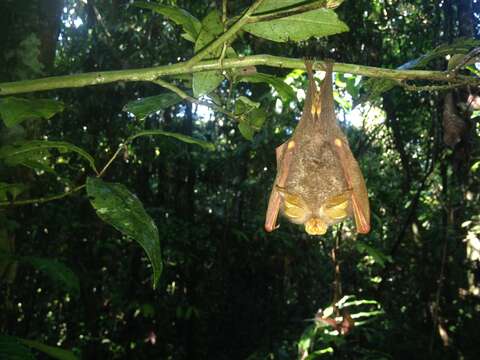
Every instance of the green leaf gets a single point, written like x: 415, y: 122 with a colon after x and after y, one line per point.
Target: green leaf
x: 190, y: 24
x: 283, y: 89
x: 379, y: 257
x: 11, y: 190
x: 187, y: 139
x: 148, y: 105
x: 120, y: 208
x: 251, y: 117
x: 12, y: 348
x: 33, y: 153
x: 307, y: 338
x: 57, y: 271
x: 244, y: 105
x: 246, y: 130
x: 207, y: 81
x: 15, y: 110
x: 320, y: 22
x: 53, y: 351
x: 268, y: 6
x: 257, y: 118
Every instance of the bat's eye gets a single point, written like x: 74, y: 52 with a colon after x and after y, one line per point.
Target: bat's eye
x: 315, y: 226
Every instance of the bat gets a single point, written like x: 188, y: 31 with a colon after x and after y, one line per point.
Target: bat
x: 318, y: 182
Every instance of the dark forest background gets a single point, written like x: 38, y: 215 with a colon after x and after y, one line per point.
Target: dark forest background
x: 228, y: 289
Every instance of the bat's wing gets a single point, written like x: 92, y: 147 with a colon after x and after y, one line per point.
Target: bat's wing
x: 284, y: 155
x: 355, y: 181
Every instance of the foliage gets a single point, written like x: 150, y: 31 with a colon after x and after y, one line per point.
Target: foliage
x: 224, y: 288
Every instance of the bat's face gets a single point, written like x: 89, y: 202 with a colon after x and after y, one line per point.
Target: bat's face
x: 316, y: 221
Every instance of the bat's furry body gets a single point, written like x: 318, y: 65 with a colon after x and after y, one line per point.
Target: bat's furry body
x: 319, y: 182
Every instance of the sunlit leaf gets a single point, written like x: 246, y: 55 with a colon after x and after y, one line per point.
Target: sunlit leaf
x: 120, y: 208
x: 187, y: 139
x: 14, y: 110
x: 26, y: 152
x: 307, y: 338
x: 57, y: 271
x: 207, y: 81
x: 299, y: 27
x: 143, y: 107
x: 190, y: 24
x: 275, y: 5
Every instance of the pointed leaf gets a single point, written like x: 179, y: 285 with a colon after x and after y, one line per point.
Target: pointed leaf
x: 320, y: 22
x: 187, y: 139
x: 14, y: 110
x: 190, y: 24
x: 12, y: 348
x: 30, y: 153
x: 57, y: 271
x: 275, y: 5
x: 207, y: 81
x: 52, y: 351
x: 143, y: 107
x: 246, y: 130
x: 120, y: 208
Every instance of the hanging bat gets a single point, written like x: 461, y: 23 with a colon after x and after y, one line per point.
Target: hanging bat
x: 318, y: 182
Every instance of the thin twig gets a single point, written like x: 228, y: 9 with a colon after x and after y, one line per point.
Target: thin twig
x: 107, y: 165
x: 42, y: 199
x: 187, y: 97
x: 226, y: 36
x: 293, y: 10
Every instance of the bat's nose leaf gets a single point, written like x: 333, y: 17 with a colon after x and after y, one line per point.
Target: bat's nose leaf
x: 315, y: 226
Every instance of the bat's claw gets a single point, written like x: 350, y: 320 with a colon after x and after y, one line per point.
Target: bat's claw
x: 269, y: 228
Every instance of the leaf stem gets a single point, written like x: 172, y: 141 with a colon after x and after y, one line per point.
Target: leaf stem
x: 187, y: 97
x: 107, y: 165
x: 42, y: 199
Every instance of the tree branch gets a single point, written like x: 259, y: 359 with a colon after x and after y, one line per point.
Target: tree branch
x: 153, y: 73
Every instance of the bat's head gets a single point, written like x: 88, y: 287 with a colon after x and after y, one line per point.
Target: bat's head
x: 334, y: 210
